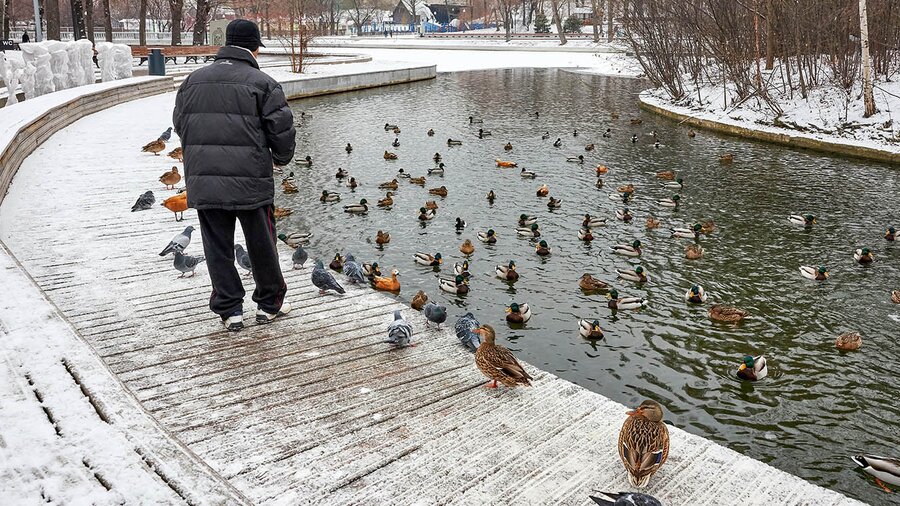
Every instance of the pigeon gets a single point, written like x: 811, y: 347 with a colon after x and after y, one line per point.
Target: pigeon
x: 165, y: 136
x: 186, y: 263
x: 323, y: 280
x: 625, y: 499
x: 353, y: 270
x: 179, y: 242
x: 464, y: 327
x: 435, y: 314
x: 299, y: 257
x: 144, y: 202
x: 399, y: 331
x: 243, y: 259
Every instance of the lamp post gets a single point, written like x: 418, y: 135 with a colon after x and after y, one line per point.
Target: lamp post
x: 38, y: 33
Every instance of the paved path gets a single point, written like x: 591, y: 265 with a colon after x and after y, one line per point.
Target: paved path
x: 316, y: 409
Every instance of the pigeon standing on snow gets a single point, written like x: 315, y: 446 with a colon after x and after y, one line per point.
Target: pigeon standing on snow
x: 625, y: 499
x: 323, y: 280
x: 179, y: 242
x: 165, y: 136
x: 186, y: 263
x: 353, y: 270
x: 243, y: 259
x: 144, y: 202
x: 464, y: 327
x: 299, y: 257
x: 435, y: 314
x: 399, y: 331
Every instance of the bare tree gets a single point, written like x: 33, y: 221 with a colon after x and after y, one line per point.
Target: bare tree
x: 610, y: 12
x: 506, y: 8
x: 142, y: 24
x: 868, y: 96
x: 107, y: 21
x: 596, y: 18
x: 201, y: 20
x: 51, y: 15
x: 554, y: 4
x: 176, y: 7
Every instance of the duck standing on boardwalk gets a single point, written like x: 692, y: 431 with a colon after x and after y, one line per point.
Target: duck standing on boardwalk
x: 178, y: 204
x: 644, y: 442
x: 497, y: 362
x: 170, y: 178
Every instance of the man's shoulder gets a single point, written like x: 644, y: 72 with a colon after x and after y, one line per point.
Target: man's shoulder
x: 226, y: 71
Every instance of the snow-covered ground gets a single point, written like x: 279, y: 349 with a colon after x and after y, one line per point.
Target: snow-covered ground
x: 438, y: 42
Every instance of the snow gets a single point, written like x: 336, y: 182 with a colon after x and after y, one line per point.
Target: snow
x: 453, y: 41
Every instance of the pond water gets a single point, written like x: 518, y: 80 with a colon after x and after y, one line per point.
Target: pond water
x: 816, y: 407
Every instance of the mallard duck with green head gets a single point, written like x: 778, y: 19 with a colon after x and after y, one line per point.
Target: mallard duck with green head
x: 462, y: 269
x: 361, y: 208
x: 590, y: 329
x: 528, y: 231
x: 637, y: 274
x: 692, y: 232
x: 696, y: 295
x: 753, y: 368
x: 864, y: 256
x: 526, y: 220
x: 518, y: 313
x: 457, y: 285
x: 489, y: 237
x: 628, y: 250
x: 426, y: 214
x: 508, y: 271
x: 615, y: 302
x: 819, y: 273
x: 295, y: 239
x: 542, y: 248
x: 429, y: 260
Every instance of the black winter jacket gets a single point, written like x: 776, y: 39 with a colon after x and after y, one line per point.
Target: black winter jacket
x: 234, y: 122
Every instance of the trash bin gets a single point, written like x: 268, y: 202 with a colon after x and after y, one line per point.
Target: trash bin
x: 157, y: 63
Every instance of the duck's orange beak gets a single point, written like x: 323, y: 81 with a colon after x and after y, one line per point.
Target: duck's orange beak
x: 479, y: 330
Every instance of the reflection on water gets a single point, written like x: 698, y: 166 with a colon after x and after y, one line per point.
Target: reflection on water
x: 816, y: 407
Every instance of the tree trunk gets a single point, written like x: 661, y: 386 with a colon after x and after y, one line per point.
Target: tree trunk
x: 770, y: 35
x: 177, y: 9
x: 89, y: 19
x: 595, y: 13
x: 4, y: 19
x: 554, y: 4
x: 200, y: 21
x: 868, y: 94
x: 610, y: 12
x: 142, y: 21
x: 51, y: 15
x: 107, y: 21
x: 78, y: 28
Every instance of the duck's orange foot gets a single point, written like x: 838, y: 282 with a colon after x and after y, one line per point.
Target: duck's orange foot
x: 883, y: 486
x: 491, y: 384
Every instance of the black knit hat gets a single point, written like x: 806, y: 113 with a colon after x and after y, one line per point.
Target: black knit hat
x: 243, y: 33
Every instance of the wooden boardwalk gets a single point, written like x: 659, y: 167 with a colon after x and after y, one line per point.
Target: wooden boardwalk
x: 316, y: 409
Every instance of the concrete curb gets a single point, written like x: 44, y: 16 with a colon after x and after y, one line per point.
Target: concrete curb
x: 326, y: 85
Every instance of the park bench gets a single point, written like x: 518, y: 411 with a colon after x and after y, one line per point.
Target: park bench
x: 171, y: 53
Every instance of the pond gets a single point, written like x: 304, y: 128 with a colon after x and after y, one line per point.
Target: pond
x: 817, y: 406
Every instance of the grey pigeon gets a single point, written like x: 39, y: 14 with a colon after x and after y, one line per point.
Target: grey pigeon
x: 242, y: 258
x: 299, y: 257
x: 435, y: 314
x: 464, y: 327
x: 166, y: 135
x: 179, y: 242
x: 323, y: 280
x: 186, y: 263
x: 353, y: 270
x: 399, y: 331
x: 144, y: 202
x: 625, y: 499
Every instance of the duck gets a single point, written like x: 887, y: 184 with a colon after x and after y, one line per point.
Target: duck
x: 890, y: 234
x: 816, y: 273
x: 442, y: 191
x: 726, y: 158
x: 467, y: 247
x: 666, y: 175
x: 475, y: 121
x: 462, y: 269
x: 848, y: 341
x: 451, y: 142
x: 387, y: 201
x: 154, y: 147
x: 482, y: 133
x: 508, y: 271
x: 382, y: 237
x: 526, y: 220
x: 687, y: 233
x: 403, y: 174
x: 708, y: 227
x: 430, y: 132
x: 417, y: 180
x: 518, y: 313
x: 608, y: 133
x: 864, y: 256
x: 418, y: 301
x: 624, y: 215
x: 628, y: 250
x: 436, y: 157
x: 616, y: 303
x: 497, y: 362
x: 491, y: 196
x: 590, y: 329
x: 643, y: 442
x: 692, y: 134
x: 508, y: 146
x: 637, y: 274
x: 390, y: 156
x: 396, y: 142
x: 352, y: 184
x: 290, y: 178
x: 529, y: 231
x: 507, y: 164
x: 177, y: 204
x: 634, y: 138
x: 882, y: 468
x: 602, y: 169
x: 670, y: 202
x: 543, y: 191
x: 592, y: 221
x: 636, y: 121
x: 430, y: 204
x: 361, y: 208
x: 575, y: 159
x: 575, y: 132
x: 696, y: 295
x: 460, y: 224
x: 489, y: 237
x: 557, y: 143
x: 170, y: 178
x: 753, y: 368
x: 337, y: 263
x: 328, y: 196
x: 727, y: 314
x: 390, y: 185
x: 429, y: 260
x: 457, y: 285
x: 385, y: 284
x: 177, y: 154
x: 388, y: 126
x: 542, y: 249
x: 348, y: 148
x: 693, y: 251
x: 554, y: 203
x: 624, y: 198
x: 652, y: 222
x: 396, y: 130
x: 341, y: 173
x: 371, y: 270
x: 439, y: 170
x: 545, y: 136
x: 627, y: 188
x: 527, y: 174
x: 295, y: 239
x: 589, y: 147
x: 591, y: 284
x: 806, y: 220
x: 305, y: 162
x: 426, y: 214
x: 678, y: 184
x: 289, y: 187
x: 584, y: 234
x: 656, y: 144
x: 282, y: 212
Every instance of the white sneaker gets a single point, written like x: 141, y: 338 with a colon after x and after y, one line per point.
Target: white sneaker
x: 234, y: 322
x: 264, y: 317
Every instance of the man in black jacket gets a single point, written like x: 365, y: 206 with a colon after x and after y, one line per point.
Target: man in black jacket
x: 235, y: 123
